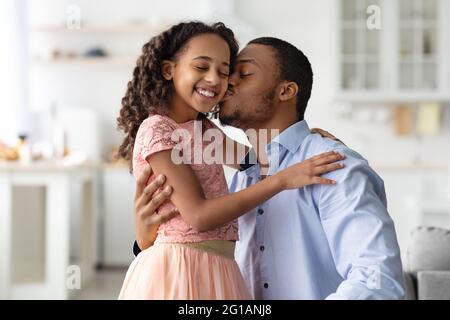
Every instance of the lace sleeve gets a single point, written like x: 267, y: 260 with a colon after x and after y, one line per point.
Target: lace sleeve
x: 154, y: 135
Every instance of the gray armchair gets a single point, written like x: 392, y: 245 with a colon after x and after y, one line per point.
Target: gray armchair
x: 427, y: 265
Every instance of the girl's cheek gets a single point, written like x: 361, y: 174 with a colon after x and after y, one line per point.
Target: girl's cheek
x: 222, y: 93
x: 224, y: 88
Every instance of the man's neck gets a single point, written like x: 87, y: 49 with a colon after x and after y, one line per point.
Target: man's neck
x: 263, y: 134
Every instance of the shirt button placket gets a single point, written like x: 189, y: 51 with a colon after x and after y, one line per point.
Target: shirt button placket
x: 260, y: 219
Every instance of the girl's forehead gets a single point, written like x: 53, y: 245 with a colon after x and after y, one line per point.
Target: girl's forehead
x: 207, y: 45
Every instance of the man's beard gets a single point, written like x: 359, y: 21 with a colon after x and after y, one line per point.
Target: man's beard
x: 230, y: 119
x: 260, y: 112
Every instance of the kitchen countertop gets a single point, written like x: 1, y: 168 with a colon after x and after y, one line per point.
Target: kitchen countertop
x: 44, y: 166
x: 61, y: 166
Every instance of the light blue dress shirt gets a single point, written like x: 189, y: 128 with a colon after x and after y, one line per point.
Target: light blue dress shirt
x: 318, y: 242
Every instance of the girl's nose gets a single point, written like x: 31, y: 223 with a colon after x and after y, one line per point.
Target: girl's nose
x: 212, y: 77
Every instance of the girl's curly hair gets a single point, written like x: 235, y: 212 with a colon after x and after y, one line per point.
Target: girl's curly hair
x: 148, y: 92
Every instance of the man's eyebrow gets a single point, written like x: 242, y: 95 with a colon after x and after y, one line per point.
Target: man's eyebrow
x: 252, y: 61
x: 210, y: 60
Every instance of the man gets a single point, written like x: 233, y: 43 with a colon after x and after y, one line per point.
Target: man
x: 317, y: 242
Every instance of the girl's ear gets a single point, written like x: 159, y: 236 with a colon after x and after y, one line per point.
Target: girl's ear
x: 167, y: 69
x: 288, y: 91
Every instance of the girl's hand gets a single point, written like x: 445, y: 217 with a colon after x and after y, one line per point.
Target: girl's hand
x: 310, y: 171
x: 326, y: 134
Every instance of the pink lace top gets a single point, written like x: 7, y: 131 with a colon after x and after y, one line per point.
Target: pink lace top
x: 154, y: 135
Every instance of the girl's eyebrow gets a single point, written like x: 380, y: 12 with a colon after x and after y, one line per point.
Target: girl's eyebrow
x: 210, y: 60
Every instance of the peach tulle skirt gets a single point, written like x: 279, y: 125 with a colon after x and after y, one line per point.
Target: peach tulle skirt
x: 172, y: 271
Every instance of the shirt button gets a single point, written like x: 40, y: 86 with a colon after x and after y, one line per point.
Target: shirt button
x: 261, y: 248
x: 266, y: 285
x: 260, y: 211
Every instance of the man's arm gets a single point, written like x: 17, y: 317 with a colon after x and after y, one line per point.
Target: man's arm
x: 146, y: 203
x: 361, y: 233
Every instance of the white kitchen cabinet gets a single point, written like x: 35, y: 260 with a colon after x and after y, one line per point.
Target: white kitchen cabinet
x: 48, y: 229
x: 360, y: 48
x: 401, y: 59
x: 117, y: 223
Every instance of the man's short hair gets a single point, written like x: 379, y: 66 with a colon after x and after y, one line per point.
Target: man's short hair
x: 293, y: 65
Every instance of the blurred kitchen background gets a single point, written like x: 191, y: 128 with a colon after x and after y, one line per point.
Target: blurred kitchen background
x: 381, y: 84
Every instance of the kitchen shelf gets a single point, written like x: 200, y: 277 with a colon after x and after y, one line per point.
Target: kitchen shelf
x: 131, y: 28
x: 43, y: 166
x: 87, y: 61
x: 404, y: 96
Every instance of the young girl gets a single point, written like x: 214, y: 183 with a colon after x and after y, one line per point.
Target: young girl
x: 181, y: 74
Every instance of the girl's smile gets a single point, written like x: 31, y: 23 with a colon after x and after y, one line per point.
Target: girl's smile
x: 206, y: 92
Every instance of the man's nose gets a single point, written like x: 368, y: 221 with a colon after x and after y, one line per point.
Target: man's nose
x: 230, y: 87
x: 233, y: 79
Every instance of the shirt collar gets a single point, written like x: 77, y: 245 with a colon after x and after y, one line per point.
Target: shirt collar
x: 290, y: 139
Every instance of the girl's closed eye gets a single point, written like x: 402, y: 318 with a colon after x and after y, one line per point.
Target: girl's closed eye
x: 202, y: 68
x: 223, y: 73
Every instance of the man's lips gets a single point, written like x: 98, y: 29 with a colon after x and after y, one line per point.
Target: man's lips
x: 228, y: 94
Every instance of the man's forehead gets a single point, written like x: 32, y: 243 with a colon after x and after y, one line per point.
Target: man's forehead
x: 255, y: 53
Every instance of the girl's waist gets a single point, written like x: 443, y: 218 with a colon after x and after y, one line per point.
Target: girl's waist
x: 223, y: 248
x: 177, y: 230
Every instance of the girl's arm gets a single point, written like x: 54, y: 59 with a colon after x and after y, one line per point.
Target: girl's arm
x: 206, y: 214
x: 234, y: 152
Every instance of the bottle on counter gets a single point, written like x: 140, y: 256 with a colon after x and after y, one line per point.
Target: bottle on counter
x: 58, y: 134
x: 23, y: 149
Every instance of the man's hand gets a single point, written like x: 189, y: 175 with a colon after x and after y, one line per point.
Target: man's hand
x: 326, y: 134
x: 146, y: 204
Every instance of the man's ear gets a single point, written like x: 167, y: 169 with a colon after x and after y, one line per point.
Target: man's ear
x: 288, y: 91
x: 167, y: 69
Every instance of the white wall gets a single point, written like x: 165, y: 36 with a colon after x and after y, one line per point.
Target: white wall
x: 13, y: 70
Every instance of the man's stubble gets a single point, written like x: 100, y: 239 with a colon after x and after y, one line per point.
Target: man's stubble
x: 259, y: 110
